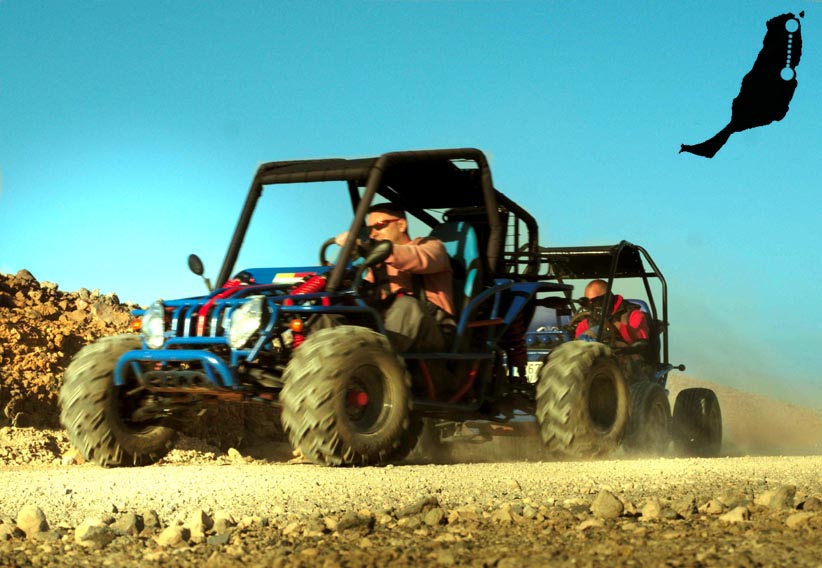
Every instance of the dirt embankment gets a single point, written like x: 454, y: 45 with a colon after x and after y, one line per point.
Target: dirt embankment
x: 41, y: 328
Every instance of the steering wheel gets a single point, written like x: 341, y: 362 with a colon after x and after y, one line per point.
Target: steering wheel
x: 360, y: 250
x: 324, y: 250
x: 578, y: 317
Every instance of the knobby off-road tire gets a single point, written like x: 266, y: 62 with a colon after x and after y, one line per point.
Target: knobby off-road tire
x: 582, y: 401
x: 649, y: 426
x: 408, y: 441
x: 697, y: 423
x: 346, y: 398
x: 96, y: 413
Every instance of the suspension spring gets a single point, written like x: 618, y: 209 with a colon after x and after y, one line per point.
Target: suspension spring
x: 312, y: 285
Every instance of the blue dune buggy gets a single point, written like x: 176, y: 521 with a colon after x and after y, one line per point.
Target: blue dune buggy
x: 309, y: 341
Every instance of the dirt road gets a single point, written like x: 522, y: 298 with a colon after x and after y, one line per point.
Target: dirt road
x: 762, y: 511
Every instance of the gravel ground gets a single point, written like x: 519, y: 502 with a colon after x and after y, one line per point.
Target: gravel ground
x: 199, y: 508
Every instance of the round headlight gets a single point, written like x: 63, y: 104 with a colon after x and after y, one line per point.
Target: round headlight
x: 154, y: 325
x: 245, y: 321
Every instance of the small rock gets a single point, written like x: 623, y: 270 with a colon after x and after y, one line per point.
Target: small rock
x: 736, y: 515
x: 218, y: 539
x: 172, y: 536
x: 629, y: 508
x: 812, y: 504
x: 652, y: 510
x: 590, y: 524
x: 798, y: 519
x: 199, y: 522
x: 780, y: 498
x: 355, y: 520
x: 417, y: 507
x: 503, y: 515
x: 93, y: 533
x: 685, y: 506
x: 735, y: 498
x: 434, y: 517
x: 31, y: 520
x: 150, y: 519
x: 607, y: 506
x: 9, y: 531
x: 130, y: 524
x: 223, y: 522
x: 252, y: 521
x: 25, y: 277
x: 410, y: 523
x: 292, y: 528
x: 712, y: 507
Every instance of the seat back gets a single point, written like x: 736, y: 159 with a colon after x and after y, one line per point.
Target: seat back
x: 460, y: 242
x: 477, y: 218
x: 643, y: 305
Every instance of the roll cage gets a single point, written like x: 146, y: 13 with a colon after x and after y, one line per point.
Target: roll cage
x: 607, y: 262
x: 457, y: 181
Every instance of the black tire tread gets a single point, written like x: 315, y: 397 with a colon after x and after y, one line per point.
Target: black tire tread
x: 561, y: 412
x: 88, y: 409
x: 694, y: 434
x: 309, y: 396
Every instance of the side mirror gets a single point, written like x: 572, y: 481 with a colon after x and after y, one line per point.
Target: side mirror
x: 378, y: 253
x: 196, y: 266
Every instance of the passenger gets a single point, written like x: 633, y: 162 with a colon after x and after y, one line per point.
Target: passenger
x: 627, y: 318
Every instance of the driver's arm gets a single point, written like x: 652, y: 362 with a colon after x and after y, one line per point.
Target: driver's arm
x: 426, y: 256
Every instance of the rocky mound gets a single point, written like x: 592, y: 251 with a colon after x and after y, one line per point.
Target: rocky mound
x: 42, y: 328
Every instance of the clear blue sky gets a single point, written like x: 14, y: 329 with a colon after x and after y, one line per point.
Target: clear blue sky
x: 129, y: 132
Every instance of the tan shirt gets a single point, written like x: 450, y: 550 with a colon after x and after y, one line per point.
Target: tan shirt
x: 426, y: 256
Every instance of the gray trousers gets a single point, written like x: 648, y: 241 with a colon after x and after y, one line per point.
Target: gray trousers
x: 410, y: 327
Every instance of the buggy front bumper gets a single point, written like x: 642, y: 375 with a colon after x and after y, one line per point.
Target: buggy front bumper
x: 151, y: 368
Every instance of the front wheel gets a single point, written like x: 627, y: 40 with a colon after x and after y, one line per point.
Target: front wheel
x: 346, y: 398
x: 97, y: 414
x: 582, y: 401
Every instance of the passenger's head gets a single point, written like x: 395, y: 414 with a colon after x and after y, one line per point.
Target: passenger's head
x: 387, y: 222
x: 595, y: 289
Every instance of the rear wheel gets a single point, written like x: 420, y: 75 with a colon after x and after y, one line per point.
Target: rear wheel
x: 97, y: 414
x: 697, y: 423
x: 649, y: 427
x: 346, y: 398
x: 582, y: 400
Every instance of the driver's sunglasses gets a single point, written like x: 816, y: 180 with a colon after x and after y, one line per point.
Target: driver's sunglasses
x: 380, y: 225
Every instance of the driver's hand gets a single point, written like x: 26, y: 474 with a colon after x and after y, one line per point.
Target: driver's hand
x: 341, y: 238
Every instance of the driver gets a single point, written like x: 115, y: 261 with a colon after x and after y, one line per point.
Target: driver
x: 627, y: 318
x: 419, y: 316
